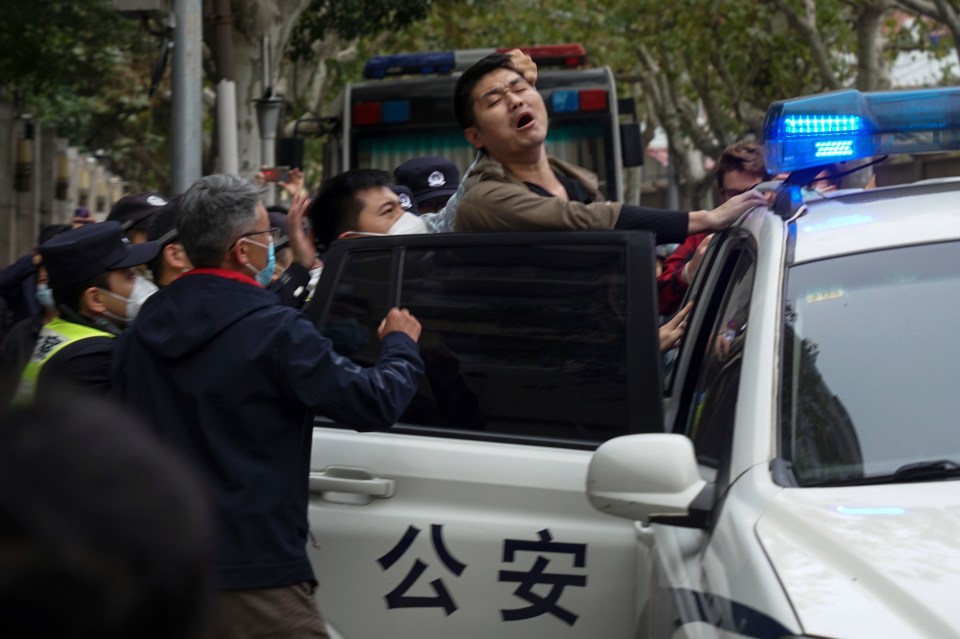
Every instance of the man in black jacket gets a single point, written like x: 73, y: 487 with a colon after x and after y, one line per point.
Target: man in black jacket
x: 231, y: 377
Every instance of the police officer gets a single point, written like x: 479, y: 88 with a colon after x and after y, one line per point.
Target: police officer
x: 432, y: 180
x: 98, y: 294
x: 171, y: 260
x: 133, y: 212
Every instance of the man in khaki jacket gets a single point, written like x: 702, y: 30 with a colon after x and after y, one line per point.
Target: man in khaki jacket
x: 518, y: 187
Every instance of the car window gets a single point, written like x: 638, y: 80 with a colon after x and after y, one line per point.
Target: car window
x: 713, y: 398
x: 692, y: 294
x: 868, y: 364
x: 526, y: 341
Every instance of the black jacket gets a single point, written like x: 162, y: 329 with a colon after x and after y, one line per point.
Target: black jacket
x: 232, y: 378
x: 18, y: 286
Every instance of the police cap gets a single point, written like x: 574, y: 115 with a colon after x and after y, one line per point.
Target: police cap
x: 83, y: 253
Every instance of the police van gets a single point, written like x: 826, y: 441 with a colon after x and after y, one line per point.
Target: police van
x: 405, y: 110
x: 791, y: 475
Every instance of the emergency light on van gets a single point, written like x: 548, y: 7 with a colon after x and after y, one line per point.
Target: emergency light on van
x: 849, y: 125
x: 440, y: 62
x: 582, y: 101
x: 386, y: 112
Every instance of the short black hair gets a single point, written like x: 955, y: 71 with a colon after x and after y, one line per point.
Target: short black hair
x: 120, y: 549
x: 69, y: 296
x: 463, y: 90
x: 335, y: 207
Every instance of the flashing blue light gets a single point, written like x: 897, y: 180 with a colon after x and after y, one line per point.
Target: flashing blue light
x: 847, y: 125
x: 565, y: 101
x: 396, y: 111
x: 812, y: 124
x: 834, y: 148
x: 409, y: 63
x: 891, y: 510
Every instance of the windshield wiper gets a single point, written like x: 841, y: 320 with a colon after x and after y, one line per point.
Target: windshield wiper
x: 922, y: 471
x: 916, y: 471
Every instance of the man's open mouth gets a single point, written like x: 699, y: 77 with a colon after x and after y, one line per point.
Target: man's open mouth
x: 523, y: 120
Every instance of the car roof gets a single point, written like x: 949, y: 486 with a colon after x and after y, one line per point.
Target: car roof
x: 854, y: 221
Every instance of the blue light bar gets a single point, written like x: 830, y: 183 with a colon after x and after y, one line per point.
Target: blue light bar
x: 848, y: 125
x: 409, y: 63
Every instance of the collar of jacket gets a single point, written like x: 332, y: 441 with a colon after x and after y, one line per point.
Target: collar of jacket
x: 489, y: 169
x: 222, y: 272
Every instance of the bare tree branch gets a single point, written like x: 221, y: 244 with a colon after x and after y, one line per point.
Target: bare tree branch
x: 717, y: 119
x: 940, y: 10
x: 806, y: 25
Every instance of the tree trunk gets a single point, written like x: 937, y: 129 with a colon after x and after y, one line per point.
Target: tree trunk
x: 872, y: 69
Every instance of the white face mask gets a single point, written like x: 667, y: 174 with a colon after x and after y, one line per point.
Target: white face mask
x: 407, y: 224
x: 142, y: 289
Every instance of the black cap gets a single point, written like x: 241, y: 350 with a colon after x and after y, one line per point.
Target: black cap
x: 134, y: 211
x: 428, y: 177
x: 162, y: 225
x: 406, y: 198
x: 83, y: 253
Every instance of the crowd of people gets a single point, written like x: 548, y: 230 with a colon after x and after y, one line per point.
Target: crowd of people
x: 187, y: 314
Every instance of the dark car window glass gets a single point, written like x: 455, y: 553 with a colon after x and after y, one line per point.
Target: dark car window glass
x: 714, y: 399
x: 525, y: 341
x: 360, y: 303
x: 869, y: 363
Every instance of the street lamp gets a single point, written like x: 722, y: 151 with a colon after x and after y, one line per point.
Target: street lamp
x: 268, y: 116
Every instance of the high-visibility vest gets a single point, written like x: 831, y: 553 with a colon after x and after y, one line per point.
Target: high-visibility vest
x: 56, y: 335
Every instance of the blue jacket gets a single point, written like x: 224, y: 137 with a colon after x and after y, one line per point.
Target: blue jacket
x: 232, y: 378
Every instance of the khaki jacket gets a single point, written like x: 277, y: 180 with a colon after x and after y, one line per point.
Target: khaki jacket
x: 495, y: 200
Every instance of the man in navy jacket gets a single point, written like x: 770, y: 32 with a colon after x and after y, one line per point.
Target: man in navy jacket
x: 231, y: 377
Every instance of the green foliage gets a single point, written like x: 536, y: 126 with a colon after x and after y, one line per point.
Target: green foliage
x: 731, y: 58
x: 353, y: 19
x: 83, y: 69
x: 48, y: 44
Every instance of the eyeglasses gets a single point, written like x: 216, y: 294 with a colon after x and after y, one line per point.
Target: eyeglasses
x: 274, y: 232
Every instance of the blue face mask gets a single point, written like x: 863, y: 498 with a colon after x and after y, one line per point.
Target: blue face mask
x: 263, y: 277
x: 45, y: 297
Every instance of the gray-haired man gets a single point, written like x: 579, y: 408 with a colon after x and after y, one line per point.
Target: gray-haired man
x: 231, y: 378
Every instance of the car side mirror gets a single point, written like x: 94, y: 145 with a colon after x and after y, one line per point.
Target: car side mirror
x: 652, y: 478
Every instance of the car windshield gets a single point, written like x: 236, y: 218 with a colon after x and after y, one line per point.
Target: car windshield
x: 869, y: 364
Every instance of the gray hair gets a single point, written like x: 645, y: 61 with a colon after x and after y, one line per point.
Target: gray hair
x: 212, y: 214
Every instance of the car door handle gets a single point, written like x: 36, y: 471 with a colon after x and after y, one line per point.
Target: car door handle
x: 345, y: 479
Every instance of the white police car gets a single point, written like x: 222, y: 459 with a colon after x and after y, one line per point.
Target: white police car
x: 807, y: 486
x: 790, y: 478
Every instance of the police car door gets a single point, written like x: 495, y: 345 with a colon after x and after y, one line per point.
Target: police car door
x: 713, y: 580
x: 469, y: 518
